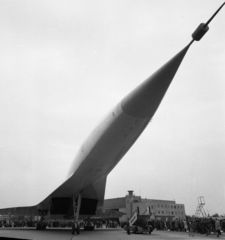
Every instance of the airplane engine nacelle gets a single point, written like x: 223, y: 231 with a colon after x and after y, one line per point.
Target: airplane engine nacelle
x: 60, y: 206
x: 88, y: 206
x: 64, y: 206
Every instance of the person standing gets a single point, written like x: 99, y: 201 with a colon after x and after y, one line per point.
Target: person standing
x: 185, y: 226
x: 176, y: 225
x: 191, y: 229
x: 218, y: 227
x: 128, y: 226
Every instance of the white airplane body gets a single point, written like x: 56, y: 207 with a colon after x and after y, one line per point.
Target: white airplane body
x: 106, y: 145
x: 99, y: 154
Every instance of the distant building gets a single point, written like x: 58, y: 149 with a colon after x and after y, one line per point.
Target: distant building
x: 158, y: 209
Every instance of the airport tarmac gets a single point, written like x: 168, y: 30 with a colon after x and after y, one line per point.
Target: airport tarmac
x: 97, y: 234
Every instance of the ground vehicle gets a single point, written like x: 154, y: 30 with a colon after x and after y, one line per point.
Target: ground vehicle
x: 142, y: 225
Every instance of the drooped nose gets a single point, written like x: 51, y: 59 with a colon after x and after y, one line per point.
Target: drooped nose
x: 144, y: 100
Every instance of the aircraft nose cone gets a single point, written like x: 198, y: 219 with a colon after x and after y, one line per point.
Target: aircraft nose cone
x: 144, y: 100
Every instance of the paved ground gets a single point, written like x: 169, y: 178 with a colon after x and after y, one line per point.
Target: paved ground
x: 98, y: 234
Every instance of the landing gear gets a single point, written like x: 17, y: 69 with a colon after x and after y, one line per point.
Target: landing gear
x: 41, y: 225
x: 76, y: 210
x: 75, y: 228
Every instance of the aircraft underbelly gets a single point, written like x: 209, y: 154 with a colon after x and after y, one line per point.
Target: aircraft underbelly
x: 106, y: 146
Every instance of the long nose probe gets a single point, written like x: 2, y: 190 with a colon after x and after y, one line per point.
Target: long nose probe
x: 203, y: 27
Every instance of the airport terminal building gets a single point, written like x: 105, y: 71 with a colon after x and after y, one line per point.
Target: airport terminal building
x: 158, y: 209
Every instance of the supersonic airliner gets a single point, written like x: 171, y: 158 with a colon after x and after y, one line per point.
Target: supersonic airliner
x: 83, y: 191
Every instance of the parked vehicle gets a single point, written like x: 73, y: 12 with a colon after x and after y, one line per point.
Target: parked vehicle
x: 142, y: 225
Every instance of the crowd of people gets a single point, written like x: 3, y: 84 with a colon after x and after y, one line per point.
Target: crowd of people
x: 17, y: 223
x: 207, y: 226
x: 192, y: 225
x: 60, y: 223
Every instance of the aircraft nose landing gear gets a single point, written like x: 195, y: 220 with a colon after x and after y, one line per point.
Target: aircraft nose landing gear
x: 76, y: 210
x: 75, y: 228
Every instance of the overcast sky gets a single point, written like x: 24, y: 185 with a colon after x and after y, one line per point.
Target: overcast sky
x: 64, y: 64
